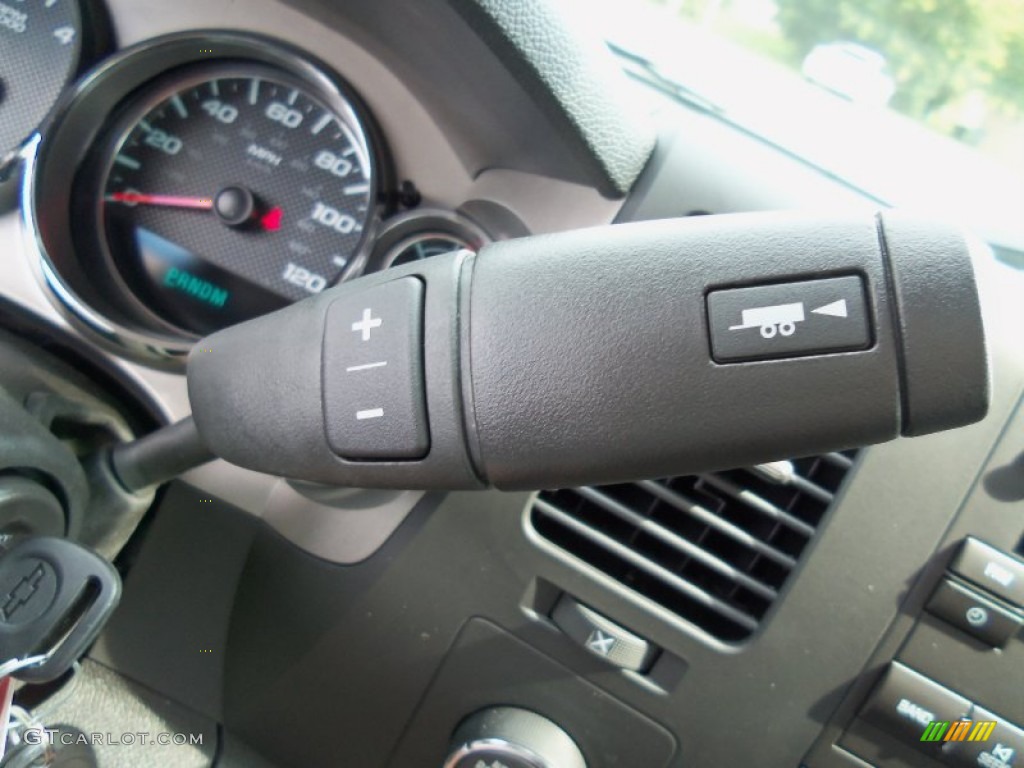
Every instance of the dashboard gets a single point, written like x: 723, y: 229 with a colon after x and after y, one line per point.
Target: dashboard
x: 281, y: 182
x: 169, y: 170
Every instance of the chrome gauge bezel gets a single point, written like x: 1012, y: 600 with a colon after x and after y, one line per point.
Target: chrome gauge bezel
x: 90, y: 301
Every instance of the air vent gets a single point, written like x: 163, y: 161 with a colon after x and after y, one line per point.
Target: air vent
x: 715, y: 549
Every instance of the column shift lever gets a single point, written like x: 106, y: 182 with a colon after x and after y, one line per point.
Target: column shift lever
x: 606, y: 355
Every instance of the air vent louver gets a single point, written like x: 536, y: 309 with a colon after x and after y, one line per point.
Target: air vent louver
x: 715, y: 549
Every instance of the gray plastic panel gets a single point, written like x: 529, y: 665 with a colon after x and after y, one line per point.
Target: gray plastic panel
x: 968, y: 666
x: 989, y: 509
x: 931, y: 287
x: 357, y: 647
x: 518, y: 88
x: 572, y: 79
x: 393, y: 619
x: 703, y: 165
x: 640, y: 396
x: 170, y: 631
x: 487, y: 666
x: 315, y: 648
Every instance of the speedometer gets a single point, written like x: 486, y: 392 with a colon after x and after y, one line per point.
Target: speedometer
x: 225, y: 191
x: 198, y: 180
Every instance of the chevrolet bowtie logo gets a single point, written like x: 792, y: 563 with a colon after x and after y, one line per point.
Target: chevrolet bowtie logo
x: 23, y: 592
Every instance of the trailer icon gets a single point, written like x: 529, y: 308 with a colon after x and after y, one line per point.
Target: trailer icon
x: 778, y: 318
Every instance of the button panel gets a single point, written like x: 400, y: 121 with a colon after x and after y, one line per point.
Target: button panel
x: 1001, y: 747
x: 967, y: 610
x: 373, y: 373
x: 991, y: 569
x: 788, y: 320
x: 905, y: 703
x: 602, y: 636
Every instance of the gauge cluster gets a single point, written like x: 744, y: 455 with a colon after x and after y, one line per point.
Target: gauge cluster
x: 222, y: 191
x: 44, y: 44
x: 200, y: 179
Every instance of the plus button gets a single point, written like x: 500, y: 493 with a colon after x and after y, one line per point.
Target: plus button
x: 367, y: 324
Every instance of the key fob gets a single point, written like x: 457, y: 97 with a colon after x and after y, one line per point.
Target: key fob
x: 55, y: 597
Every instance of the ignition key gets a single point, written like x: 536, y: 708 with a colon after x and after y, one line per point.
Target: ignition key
x: 55, y: 597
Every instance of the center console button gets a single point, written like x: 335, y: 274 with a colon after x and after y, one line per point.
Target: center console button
x: 905, y: 703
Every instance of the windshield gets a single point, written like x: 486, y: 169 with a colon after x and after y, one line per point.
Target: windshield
x: 917, y: 103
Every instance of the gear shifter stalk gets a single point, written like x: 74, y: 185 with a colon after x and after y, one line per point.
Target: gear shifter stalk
x: 606, y: 355
x: 159, y: 456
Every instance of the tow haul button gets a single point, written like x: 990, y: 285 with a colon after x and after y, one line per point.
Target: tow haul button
x: 812, y: 317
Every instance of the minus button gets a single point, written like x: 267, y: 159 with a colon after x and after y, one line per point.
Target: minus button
x: 372, y: 413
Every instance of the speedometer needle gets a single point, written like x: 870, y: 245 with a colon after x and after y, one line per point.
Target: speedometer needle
x: 169, y: 201
x: 235, y: 206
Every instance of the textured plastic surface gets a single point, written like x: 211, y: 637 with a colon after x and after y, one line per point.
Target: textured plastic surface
x: 572, y: 80
x: 912, y: 476
x: 901, y: 501
x: 584, y: 358
x: 304, y: 630
x: 188, y: 567
x: 968, y: 666
x: 590, y: 358
x: 943, y: 359
x: 523, y: 92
